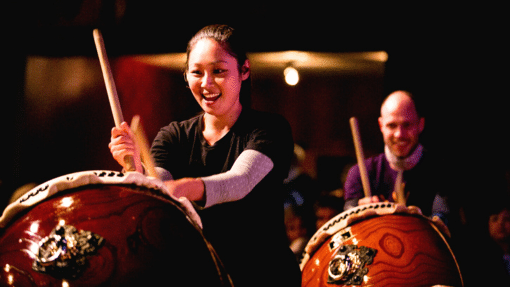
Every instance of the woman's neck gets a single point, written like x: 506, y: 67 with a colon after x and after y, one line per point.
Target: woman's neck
x: 215, y: 127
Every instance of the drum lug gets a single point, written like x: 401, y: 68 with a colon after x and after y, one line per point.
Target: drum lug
x: 63, y: 253
x: 348, y: 266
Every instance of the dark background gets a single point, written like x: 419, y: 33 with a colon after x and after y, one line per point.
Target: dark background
x: 454, y: 58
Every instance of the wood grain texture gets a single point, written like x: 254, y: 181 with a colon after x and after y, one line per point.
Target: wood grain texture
x: 148, y: 240
x: 410, y: 252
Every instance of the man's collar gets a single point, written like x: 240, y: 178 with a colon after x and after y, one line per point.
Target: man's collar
x: 406, y: 163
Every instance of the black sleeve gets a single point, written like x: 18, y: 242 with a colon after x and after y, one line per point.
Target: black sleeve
x: 168, y: 149
x: 273, y: 137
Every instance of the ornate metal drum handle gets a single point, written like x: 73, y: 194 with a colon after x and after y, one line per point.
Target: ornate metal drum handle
x: 348, y: 266
x: 63, y: 253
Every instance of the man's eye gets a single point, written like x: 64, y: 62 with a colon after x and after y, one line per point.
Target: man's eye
x: 219, y: 71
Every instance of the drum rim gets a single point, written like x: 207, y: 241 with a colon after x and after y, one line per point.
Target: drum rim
x: 75, y: 180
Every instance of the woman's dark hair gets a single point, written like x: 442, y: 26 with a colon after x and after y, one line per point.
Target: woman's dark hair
x: 233, y: 44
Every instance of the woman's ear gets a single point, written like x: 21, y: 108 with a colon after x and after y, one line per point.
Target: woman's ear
x: 185, y: 76
x: 245, y: 70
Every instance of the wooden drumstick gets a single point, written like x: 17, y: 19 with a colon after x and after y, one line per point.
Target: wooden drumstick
x: 143, y: 145
x: 111, y: 90
x: 399, y: 188
x: 360, y: 156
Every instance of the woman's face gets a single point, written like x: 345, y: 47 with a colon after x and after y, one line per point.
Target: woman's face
x: 214, y: 78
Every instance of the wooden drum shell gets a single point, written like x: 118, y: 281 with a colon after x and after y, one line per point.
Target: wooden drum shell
x: 410, y: 251
x: 148, y: 239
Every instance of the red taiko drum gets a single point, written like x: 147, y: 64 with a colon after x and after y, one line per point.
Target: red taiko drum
x: 105, y: 228
x: 382, y: 244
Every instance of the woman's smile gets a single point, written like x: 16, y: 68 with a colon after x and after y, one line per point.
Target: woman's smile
x: 211, y: 97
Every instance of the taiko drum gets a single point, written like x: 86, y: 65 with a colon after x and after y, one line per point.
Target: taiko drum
x: 119, y: 233
x: 380, y: 245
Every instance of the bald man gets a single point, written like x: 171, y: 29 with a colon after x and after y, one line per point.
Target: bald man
x: 401, y: 126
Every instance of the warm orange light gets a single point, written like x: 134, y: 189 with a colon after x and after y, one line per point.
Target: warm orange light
x: 291, y: 76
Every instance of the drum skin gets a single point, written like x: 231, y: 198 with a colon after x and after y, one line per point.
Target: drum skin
x: 410, y: 251
x: 148, y: 240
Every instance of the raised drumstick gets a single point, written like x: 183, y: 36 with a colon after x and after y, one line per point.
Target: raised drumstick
x: 143, y: 145
x: 111, y: 90
x: 360, y: 156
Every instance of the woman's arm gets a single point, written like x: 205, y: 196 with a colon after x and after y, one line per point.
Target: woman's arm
x: 247, y: 171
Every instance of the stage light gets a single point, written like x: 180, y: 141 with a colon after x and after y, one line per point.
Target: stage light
x: 291, y: 76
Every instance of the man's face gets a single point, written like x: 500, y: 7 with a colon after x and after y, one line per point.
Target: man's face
x: 400, y: 125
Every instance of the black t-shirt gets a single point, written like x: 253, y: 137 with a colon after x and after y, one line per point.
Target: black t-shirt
x: 248, y: 234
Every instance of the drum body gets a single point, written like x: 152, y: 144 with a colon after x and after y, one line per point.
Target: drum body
x: 379, y: 245
x: 129, y: 235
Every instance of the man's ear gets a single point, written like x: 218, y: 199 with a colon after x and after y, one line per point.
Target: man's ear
x: 421, y: 124
x: 245, y: 70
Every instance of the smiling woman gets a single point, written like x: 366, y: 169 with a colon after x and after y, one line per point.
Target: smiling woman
x: 215, y: 81
x: 230, y: 160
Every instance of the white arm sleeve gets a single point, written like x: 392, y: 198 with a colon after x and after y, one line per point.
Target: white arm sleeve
x: 163, y: 174
x: 247, y: 171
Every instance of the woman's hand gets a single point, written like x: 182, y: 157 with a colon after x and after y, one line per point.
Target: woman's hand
x: 122, y: 144
x: 191, y: 188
